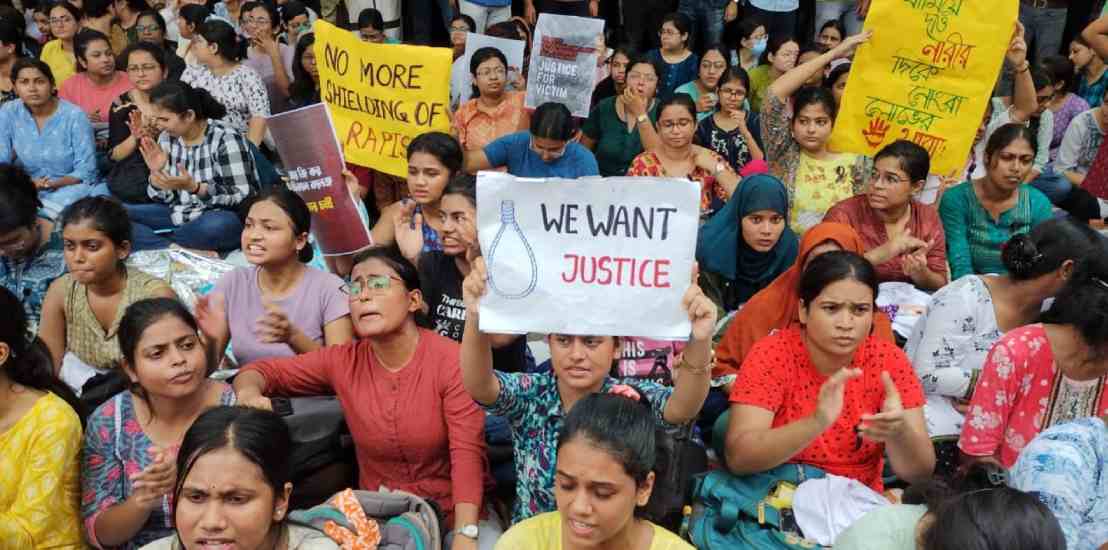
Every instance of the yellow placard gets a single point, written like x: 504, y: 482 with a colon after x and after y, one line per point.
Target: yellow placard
x: 381, y: 95
x: 925, y: 75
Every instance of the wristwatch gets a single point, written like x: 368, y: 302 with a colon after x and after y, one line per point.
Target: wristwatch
x: 468, y: 531
x: 642, y: 118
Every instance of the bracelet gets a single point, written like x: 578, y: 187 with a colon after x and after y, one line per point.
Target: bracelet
x: 197, y: 190
x: 1026, y: 67
x: 684, y: 365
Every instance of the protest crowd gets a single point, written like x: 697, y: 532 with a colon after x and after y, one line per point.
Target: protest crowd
x: 879, y: 352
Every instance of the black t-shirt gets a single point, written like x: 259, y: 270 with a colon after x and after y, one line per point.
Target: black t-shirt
x: 127, y: 177
x: 442, y: 290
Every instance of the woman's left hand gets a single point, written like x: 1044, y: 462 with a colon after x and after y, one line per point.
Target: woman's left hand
x: 1017, y: 48
x: 887, y: 425
x: 182, y: 182
x: 463, y: 543
x: 702, y: 312
x: 915, y: 264
x: 847, y: 46
x: 267, y: 44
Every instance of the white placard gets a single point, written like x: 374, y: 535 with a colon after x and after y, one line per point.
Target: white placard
x: 512, y: 50
x: 563, y: 62
x: 600, y: 256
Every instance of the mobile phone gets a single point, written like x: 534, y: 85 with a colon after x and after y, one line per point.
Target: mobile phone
x: 281, y: 405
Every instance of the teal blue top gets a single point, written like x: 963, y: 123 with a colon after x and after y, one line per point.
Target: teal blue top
x: 974, y: 239
x: 694, y: 92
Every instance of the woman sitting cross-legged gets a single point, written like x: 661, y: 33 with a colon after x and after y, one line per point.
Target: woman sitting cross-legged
x: 851, y: 398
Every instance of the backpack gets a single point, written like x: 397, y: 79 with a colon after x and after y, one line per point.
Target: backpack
x: 386, y: 520
x: 731, y: 511
x: 323, y: 461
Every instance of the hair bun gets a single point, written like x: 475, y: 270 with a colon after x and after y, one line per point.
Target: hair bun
x: 1020, y: 255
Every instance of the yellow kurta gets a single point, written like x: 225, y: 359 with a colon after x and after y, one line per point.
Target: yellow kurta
x: 61, y: 62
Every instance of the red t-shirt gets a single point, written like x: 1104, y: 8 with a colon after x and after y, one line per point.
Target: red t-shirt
x: 782, y: 357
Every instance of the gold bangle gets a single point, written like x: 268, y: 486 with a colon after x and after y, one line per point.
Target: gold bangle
x: 685, y: 366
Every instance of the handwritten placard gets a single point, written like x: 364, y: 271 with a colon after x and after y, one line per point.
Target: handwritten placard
x: 926, y: 75
x: 609, y: 256
x: 381, y: 95
x: 563, y: 62
x: 309, y: 150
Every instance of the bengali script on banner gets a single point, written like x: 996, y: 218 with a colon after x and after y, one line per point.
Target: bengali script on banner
x: 381, y: 96
x: 926, y: 75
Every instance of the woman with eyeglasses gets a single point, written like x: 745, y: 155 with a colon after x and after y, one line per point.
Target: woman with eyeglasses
x: 677, y: 157
x: 713, y: 64
x: 459, y: 29
x: 729, y: 130
x: 151, y: 29
x: 494, y: 111
x: 132, y: 117
x: 619, y: 128
x: 271, y: 59
x: 415, y: 428
x: 680, y: 63
x: 278, y: 307
x: 65, y: 21
x: 547, y: 151
x: 904, y: 239
x: 297, y: 20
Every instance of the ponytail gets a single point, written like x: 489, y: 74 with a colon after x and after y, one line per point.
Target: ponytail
x: 229, y: 45
x: 180, y: 98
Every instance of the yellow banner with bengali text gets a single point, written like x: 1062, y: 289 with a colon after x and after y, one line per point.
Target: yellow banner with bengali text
x: 925, y: 75
x: 381, y: 96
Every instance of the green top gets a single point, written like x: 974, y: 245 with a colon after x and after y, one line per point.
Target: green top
x: 759, y: 84
x: 886, y: 528
x: 616, y: 147
x: 974, y: 239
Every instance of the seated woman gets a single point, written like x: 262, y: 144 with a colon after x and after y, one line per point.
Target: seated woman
x: 279, y: 307
x: 270, y: 59
x: 245, y: 453
x: 547, y: 151
x: 31, y: 249
x: 1043, y: 374
x: 96, y: 83
x: 904, y: 238
x: 1091, y: 70
x: 610, y: 441
x: 981, y: 214
x: 49, y: 137
x: 836, y: 81
x: 414, y: 427
x: 752, y: 41
x: 851, y: 398
x: 727, y: 131
x: 1066, y: 467
x: 151, y: 29
x: 674, y: 55
x: 433, y: 159
x: 996, y: 519
x: 1081, y: 142
x: 304, y: 89
x: 40, y: 440
x: 796, y: 148
x: 1063, y: 104
x: 128, y: 462
x: 534, y: 404
x: 65, y: 21
x: 614, y: 84
x: 704, y: 89
x: 620, y: 127
x: 676, y: 156
x: 777, y: 58
x: 965, y: 318
x: 238, y: 88
x: 748, y: 244
x: 83, y: 309
x: 776, y: 307
x: 132, y: 117
x: 493, y: 111
x: 200, y: 170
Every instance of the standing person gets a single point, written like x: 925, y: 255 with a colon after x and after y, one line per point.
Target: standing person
x: 778, y: 58
x: 31, y: 250
x: 128, y: 463
x: 96, y: 85
x: 641, y: 20
x: 547, y: 150
x: 904, y: 238
x: 413, y: 425
x: 271, y: 59
x: 609, y: 441
x: 727, y: 130
x: 578, y: 8
x: 493, y: 111
x: 238, y: 88
x: 796, y: 148
x: 752, y: 42
x: 485, y: 13
x: 65, y: 20
x: 680, y: 63
x: 132, y: 118
x: 703, y: 90
x: 980, y: 214
x: 200, y: 171
x: 40, y: 443
x: 1045, y: 23
x: 842, y: 16
x: 708, y: 18
x: 779, y: 16
x: 1092, y: 79
x: 277, y: 307
x: 83, y: 308
x: 421, y: 15
x: 620, y: 128
x: 49, y: 137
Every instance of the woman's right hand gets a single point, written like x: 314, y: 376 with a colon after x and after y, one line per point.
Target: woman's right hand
x: 134, y: 124
x: 847, y: 46
x: 633, y: 103
x: 152, y: 153
x: 475, y: 286
x: 738, y: 115
x: 705, y: 103
x: 253, y: 399
x: 155, y: 481
x: 905, y: 243
x: 830, y: 404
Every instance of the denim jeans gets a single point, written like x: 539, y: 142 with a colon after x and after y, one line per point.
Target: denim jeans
x: 54, y: 201
x: 776, y: 22
x: 153, y: 229
x: 641, y: 21
x: 1053, y: 184
x: 485, y: 16
x: 579, y: 8
x: 707, y: 20
x: 420, y: 12
x: 1043, y: 28
x: 844, y: 12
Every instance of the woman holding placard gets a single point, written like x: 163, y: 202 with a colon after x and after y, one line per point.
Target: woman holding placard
x: 796, y: 146
x: 493, y: 111
x: 618, y: 128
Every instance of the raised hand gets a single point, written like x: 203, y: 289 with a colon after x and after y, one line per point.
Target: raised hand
x: 408, y: 229
x: 152, y: 153
x: 702, y: 312
x: 1017, y: 48
x: 134, y: 124
x: 847, y: 46
x: 274, y: 327
x: 211, y: 317
x: 475, y: 285
x: 155, y: 481
x: 181, y: 182
x: 830, y: 404
x: 887, y: 425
